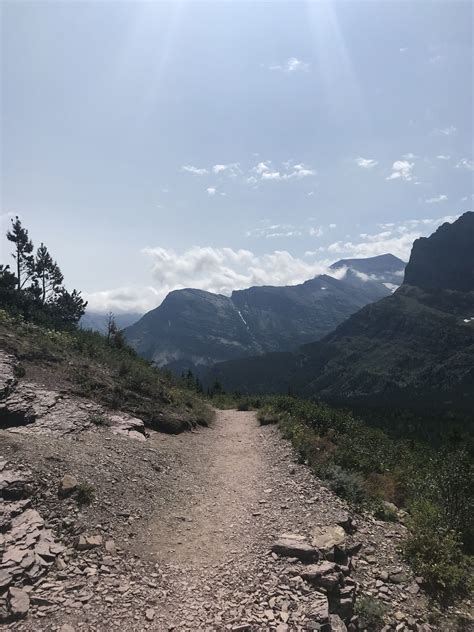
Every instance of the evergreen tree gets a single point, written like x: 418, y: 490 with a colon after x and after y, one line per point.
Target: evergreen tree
x: 69, y: 307
x: 25, y: 264
x: 47, y: 274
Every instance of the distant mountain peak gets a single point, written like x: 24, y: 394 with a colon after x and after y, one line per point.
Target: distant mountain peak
x: 445, y: 260
x: 393, y: 262
x: 385, y: 268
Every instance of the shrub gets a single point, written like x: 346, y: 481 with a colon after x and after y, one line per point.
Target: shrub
x: 384, y: 511
x: 435, y: 552
x: 371, y: 613
x: 99, y: 420
x: 85, y: 494
x: 347, y: 484
x: 266, y: 416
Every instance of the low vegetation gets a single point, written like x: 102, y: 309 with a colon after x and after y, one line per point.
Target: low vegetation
x: 105, y: 370
x: 373, y: 470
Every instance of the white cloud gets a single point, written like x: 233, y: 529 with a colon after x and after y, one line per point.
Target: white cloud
x: 293, y: 64
x: 398, y: 239
x: 195, y: 170
x: 316, y: 231
x: 222, y: 270
x: 403, y: 50
x: 446, y: 131
x: 464, y: 163
x: 402, y: 169
x: 124, y: 299
x: 271, y: 175
x: 443, y: 157
x: 288, y: 171
x: 231, y: 169
x: 332, y: 225
x: 409, y: 156
x: 211, y: 190
x: 436, y: 199
x: 366, y: 163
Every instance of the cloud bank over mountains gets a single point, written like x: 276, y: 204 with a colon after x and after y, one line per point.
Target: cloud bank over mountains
x: 222, y: 270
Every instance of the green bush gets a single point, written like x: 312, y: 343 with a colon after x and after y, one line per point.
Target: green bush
x: 371, y: 613
x: 85, y: 494
x: 435, y: 552
x: 348, y: 485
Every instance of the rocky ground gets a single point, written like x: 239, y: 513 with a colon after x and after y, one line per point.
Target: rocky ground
x: 105, y: 528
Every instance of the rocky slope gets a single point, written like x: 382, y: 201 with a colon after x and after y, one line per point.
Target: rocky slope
x: 415, y: 347
x: 193, y: 328
x: 173, y: 538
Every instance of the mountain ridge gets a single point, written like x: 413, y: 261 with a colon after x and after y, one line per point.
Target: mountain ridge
x: 414, y: 347
x: 195, y: 329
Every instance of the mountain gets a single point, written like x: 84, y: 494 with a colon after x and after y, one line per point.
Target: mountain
x: 385, y: 268
x: 413, y: 348
x: 193, y: 328
x: 97, y: 321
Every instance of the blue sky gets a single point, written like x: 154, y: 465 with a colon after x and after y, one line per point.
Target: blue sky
x: 160, y: 145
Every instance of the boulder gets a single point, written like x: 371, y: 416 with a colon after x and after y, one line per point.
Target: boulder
x: 318, y: 613
x: 86, y: 542
x: 67, y: 485
x: 347, y: 523
x: 291, y: 545
x: 19, y: 603
x: 325, y: 575
x: 327, y: 538
x: 337, y: 624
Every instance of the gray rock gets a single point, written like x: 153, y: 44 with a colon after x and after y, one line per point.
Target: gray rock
x: 290, y: 545
x: 323, y: 575
x: 318, y: 612
x: 337, y: 624
x: 326, y: 538
x: 67, y: 485
x: 19, y: 603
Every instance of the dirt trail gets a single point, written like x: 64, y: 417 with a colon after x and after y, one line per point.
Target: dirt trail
x: 212, y: 504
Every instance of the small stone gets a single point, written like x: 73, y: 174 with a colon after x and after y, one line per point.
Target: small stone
x: 67, y: 485
x: 149, y: 614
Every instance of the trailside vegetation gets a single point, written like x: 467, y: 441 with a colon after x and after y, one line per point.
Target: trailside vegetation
x: 429, y: 485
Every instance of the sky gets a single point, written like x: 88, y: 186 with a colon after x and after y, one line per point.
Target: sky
x: 159, y: 145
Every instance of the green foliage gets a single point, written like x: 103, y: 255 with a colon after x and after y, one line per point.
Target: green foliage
x: 85, y: 494
x: 99, y: 420
x: 36, y: 292
x: 114, y: 376
x: 368, y: 467
x: 371, y: 613
x: 346, y: 484
x: 385, y: 512
x: 435, y: 552
x: 267, y: 416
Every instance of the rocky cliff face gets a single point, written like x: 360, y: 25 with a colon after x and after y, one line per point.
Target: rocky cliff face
x: 445, y: 260
x: 193, y: 328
